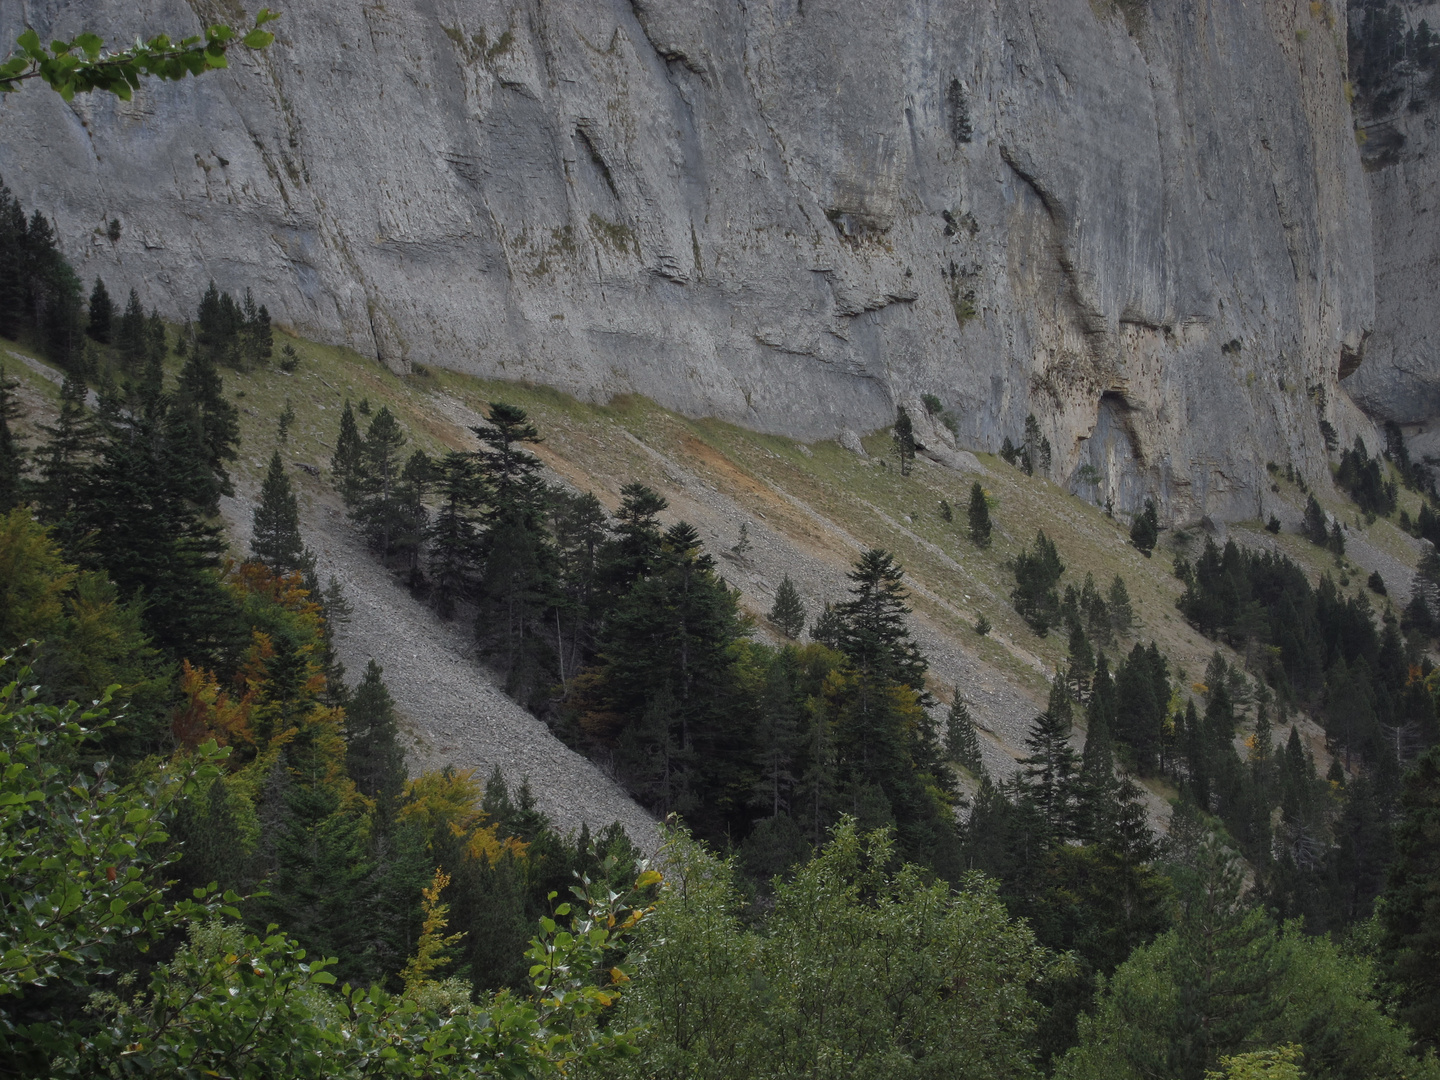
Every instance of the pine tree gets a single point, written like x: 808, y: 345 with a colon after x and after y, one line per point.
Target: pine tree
x: 1314, y: 526
x: 1082, y: 660
x: 1031, y: 451
x: 904, y: 438
x: 377, y: 508
x: 131, y: 340
x: 12, y: 453
x: 979, y: 517
x: 1122, y: 616
x: 1037, y: 572
x: 374, y: 757
x: 788, y: 613
x: 65, y: 460
x: 1145, y: 529
x: 778, y: 736
x: 345, y: 463
x: 275, y: 539
x: 201, y: 390
x: 453, y: 537
x: 1095, y: 613
x: 581, y: 527
x: 102, y: 313
x: 828, y: 627
x: 1051, y: 769
x: 1411, y: 913
x: 874, y: 636
x: 633, y: 551
x: 962, y: 741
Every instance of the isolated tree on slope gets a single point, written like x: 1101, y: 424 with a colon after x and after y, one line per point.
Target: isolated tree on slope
x: 789, y: 611
x: 904, y: 441
x: 979, y: 517
x: 276, y: 539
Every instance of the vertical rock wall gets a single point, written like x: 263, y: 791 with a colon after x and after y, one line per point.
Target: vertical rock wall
x: 1146, y: 223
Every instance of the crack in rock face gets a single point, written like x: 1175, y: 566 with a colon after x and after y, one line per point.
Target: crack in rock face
x: 794, y: 217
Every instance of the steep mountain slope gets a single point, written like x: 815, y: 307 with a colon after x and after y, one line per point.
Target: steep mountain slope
x: 1144, y: 223
x: 808, y: 509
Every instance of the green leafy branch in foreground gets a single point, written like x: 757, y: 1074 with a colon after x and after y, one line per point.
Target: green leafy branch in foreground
x: 83, y: 65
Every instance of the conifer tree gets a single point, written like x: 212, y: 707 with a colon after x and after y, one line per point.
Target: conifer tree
x: 904, y: 438
x: 102, y: 314
x: 874, y: 636
x: 377, y: 508
x: 374, y: 757
x: 1095, y: 613
x: 1314, y: 526
x: 633, y: 551
x: 1145, y: 529
x: 828, y: 627
x: 275, y: 539
x: 453, y: 536
x: 581, y: 527
x: 413, y: 518
x: 1037, y: 572
x: 978, y: 514
x: 518, y: 587
x: 788, y: 612
x: 1122, y: 615
x: 65, y: 460
x: 132, y: 338
x: 1051, y: 769
x: 12, y: 453
x: 778, y: 735
x: 1411, y: 913
x: 962, y: 741
x: 1034, y: 445
x: 345, y: 463
x: 1082, y: 661
x: 201, y: 391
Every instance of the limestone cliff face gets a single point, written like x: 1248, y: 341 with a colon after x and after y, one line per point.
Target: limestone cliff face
x: 1400, y: 377
x: 1147, y: 223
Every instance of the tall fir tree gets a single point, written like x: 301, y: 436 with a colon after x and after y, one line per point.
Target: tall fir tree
x: 454, y: 539
x: 1122, y: 615
x: 345, y: 462
x: 904, y: 439
x: 65, y: 461
x: 102, y: 314
x: 275, y: 539
x: 874, y: 636
x: 978, y: 515
x: 788, y: 611
x: 1051, y: 769
x: 12, y: 453
x: 1037, y: 573
x: 374, y: 757
x: 962, y: 741
x: 377, y: 507
x: 201, y: 391
x: 1411, y: 913
x: 1145, y: 529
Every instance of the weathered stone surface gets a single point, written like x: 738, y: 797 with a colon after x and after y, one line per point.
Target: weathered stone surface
x: 792, y: 215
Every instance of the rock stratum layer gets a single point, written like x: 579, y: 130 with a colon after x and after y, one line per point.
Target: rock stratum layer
x: 1146, y: 223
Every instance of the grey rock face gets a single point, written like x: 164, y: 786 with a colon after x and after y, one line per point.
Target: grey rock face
x: 1399, y: 378
x: 1155, y: 237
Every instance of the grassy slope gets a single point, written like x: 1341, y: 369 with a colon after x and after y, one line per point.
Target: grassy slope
x: 812, y: 495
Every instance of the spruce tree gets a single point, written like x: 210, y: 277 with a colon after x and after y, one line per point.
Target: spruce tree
x: 632, y: 552
x: 345, y: 463
x: 414, y: 518
x: 978, y: 514
x: 962, y: 742
x: 275, y: 539
x: 132, y: 340
x: 377, y: 508
x: 453, y: 537
x: 102, y: 314
x: 1122, y: 615
x: 874, y: 636
x: 12, y: 453
x: 374, y: 758
x: 1037, y: 572
x: 904, y: 438
x: 828, y: 627
x: 788, y: 612
x: 1051, y: 769
x: 580, y: 527
x: 1145, y: 529
x: 1314, y: 526
x: 201, y: 390
x: 1030, y: 451
x: 1082, y: 660
x: 1097, y: 761
x: 1411, y: 913
x: 65, y: 460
